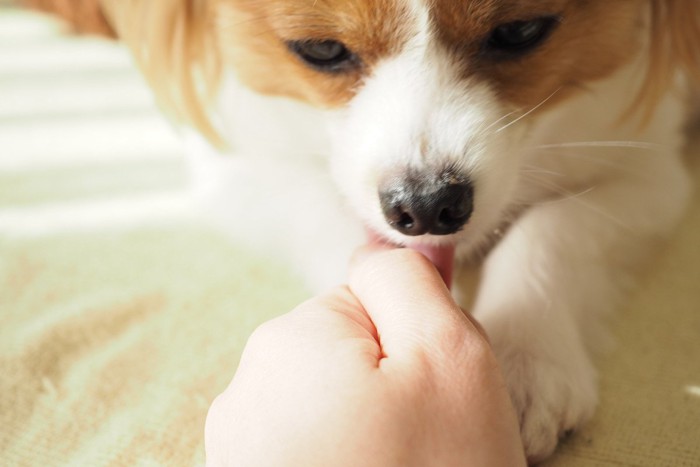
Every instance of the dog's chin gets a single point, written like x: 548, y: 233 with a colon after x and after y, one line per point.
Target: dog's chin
x: 442, y: 254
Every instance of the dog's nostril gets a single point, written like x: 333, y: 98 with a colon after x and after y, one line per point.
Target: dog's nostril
x: 447, y: 217
x: 400, y: 216
x: 405, y: 221
x: 419, y: 204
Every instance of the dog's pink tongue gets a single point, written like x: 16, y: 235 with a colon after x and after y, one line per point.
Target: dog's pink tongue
x: 441, y: 256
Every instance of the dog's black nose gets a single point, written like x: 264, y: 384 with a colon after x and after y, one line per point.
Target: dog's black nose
x: 420, y: 203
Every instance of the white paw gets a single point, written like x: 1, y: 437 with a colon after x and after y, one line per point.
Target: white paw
x: 552, y: 395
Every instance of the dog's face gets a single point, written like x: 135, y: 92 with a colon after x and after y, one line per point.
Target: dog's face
x: 429, y: 101
x: 425, y: 97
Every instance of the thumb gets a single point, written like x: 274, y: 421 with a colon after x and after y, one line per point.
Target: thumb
x: 409, y: 304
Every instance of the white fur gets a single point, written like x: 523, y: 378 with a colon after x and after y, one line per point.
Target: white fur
x: 567, y: 260
x: 584, y: 197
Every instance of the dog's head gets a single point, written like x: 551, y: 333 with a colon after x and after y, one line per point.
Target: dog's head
x: 428, y: 99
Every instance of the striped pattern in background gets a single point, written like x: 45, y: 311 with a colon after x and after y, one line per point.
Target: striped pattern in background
x: 120, y: 318
x: 81, y: 141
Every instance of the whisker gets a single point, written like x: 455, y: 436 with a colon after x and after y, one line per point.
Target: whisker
x: 603, y: 144
x: 491, y: 125
x: 577, y: 197
x: 529, y: 111
x: 532, y: 169
x: 560, y: 190
x: 602, y: 161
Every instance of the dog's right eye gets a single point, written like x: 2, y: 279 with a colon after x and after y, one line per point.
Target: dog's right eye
x: 511, y: 40
x: 324, y: 55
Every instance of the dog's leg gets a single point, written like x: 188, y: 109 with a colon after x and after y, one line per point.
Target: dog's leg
x: 546, y: 283
x: 289, y: 211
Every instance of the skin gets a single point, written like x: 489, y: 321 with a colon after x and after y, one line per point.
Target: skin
x: 386, y: 371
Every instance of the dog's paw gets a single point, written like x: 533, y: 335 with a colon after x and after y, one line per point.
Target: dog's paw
x: 551, y: 397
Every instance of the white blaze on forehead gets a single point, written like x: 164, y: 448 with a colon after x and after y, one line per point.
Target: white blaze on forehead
x: 420, y: 11
x: 415, y: 108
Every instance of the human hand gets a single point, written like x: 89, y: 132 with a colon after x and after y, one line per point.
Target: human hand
x: 385, y: 372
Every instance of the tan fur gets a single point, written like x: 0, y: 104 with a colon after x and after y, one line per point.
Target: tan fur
x: 595, y: 38
x: 257, y: 32
x: 674, y: 46
x: 181, y: 45
x: 85, y: 16
x: 173, y: 42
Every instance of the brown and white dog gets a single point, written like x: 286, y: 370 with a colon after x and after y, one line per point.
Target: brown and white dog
x: 541, y: 137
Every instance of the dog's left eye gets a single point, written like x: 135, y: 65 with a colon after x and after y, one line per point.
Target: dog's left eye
x: 324, y: 55
x: 520, y: 37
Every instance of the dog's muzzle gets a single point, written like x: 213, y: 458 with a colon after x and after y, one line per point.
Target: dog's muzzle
x: 419, y: 202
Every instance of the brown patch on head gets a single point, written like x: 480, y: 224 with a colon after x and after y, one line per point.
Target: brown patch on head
x: 592, y: 40
x: 255, y: 36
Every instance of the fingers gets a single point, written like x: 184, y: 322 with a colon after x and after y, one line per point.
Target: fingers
x: 408, y: 302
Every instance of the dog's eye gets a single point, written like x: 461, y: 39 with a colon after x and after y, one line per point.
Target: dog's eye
x: 325, y: 55
x: 520, y: 37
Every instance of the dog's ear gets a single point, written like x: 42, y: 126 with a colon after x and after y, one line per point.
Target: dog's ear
x: 174, y: 43
x: 674, y: 46
x: 85, y: 16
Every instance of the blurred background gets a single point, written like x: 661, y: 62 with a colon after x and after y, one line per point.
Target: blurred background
x: 81, y: 140
x: 121, y: 317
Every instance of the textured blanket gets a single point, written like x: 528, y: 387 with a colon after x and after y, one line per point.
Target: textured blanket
x: 121, y: 319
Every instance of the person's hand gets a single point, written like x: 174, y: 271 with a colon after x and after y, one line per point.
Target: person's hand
x: 386, y: 372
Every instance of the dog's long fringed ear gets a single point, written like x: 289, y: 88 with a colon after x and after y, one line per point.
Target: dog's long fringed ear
x: 174, y: 42
x: 674, y: 46
x: 85, y: 16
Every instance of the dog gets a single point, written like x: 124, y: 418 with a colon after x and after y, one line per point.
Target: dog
x: 541, y: 139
